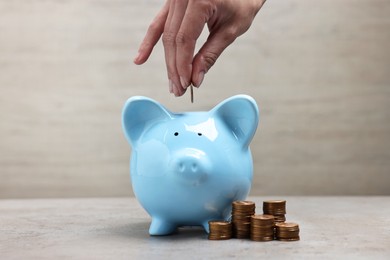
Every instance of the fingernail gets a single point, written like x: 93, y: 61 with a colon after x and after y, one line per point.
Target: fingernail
x: 174, y: 91
x: 170, y: 86
x: 183, y: 82
x: 200, y: 78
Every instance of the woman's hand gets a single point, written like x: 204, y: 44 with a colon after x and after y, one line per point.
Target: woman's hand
x: 180, y: 22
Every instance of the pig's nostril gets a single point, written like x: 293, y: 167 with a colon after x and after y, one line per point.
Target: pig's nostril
x: 192, y: 169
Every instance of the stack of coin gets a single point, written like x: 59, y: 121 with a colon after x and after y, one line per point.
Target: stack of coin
x: 262, y: 227
x: 287, y: 231
x: 277, y: 208
x: 241, y: 218
x: 220, y: 230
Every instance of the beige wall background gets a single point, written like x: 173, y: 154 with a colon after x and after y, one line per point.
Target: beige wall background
x: 319, y: 70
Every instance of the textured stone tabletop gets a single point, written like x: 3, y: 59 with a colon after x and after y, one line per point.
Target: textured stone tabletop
x: 117, y: 228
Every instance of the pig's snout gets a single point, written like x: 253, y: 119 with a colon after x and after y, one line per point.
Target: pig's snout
x: 191, y: 165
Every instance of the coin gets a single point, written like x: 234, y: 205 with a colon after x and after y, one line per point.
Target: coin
x: 277, y: 208
x: 274, y: 207
x: 289, y: 239
x: 243, y: 203
x: 220, y: 230
x: 287, y: 231
x: 262, y: 219
x: 262, y: 228
x: 241, y: 218
x: 246, y: 224
x: 287, y: 226
x: 262, y: 239
x: 287, y: 234
x: 279, y: 218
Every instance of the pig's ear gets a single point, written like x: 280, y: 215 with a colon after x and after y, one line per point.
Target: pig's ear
x: 240, y: 114
x: 140, y: 113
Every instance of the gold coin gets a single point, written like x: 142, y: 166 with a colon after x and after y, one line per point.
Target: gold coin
x: 262, y: 239
x: 219, y: 223
x: 258, y: 227
x: 291, y: 235
x: 220, y: 230
x: 241, y: 217
x: 274, y: 207
x: 220, y: 238
x: 287, y: 225
x: 262, y: 219
x: 289, y: 239
x: 243, y: 203
x: 287, y: 231
x: 274, y: 202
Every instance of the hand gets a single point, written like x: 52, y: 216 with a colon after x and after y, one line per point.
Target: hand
x: 180, y: 22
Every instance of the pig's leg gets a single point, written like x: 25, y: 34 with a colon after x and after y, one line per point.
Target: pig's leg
x: 161, y: 227
x: 206, y: 226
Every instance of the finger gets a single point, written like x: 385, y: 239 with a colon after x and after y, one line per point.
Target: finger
x: 194, y: 20
x: 176, y: 12
x: 152, y: 36
x: 209, y: 53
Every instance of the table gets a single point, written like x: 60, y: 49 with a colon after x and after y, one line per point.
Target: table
x: 117, y: 228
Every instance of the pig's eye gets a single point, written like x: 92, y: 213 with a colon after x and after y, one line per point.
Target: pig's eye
x: 176, y: 133
x: 200, y: 134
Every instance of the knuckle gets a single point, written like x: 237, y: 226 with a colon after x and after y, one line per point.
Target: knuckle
x: 206, y: 6
x: 210, y: 58
x: 181, y: 38
x: 168, y: 38
x: 230, y: 34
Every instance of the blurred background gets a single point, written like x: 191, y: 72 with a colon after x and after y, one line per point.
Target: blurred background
x: 319, y: 70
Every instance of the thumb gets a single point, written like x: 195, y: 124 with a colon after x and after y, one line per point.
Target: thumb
x: 209, y: 53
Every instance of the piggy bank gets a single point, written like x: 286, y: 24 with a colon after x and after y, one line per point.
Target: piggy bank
x: 187, y: 168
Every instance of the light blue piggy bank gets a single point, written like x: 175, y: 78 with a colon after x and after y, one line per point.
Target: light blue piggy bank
x: 187, y: 168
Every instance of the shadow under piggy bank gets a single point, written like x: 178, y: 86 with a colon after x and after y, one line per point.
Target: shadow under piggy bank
x: 187, y: 168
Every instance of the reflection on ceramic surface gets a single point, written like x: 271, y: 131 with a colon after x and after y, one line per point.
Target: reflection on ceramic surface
x: 187, y: 168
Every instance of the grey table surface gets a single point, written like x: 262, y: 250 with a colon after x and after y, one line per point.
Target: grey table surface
x: 117, y: 228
